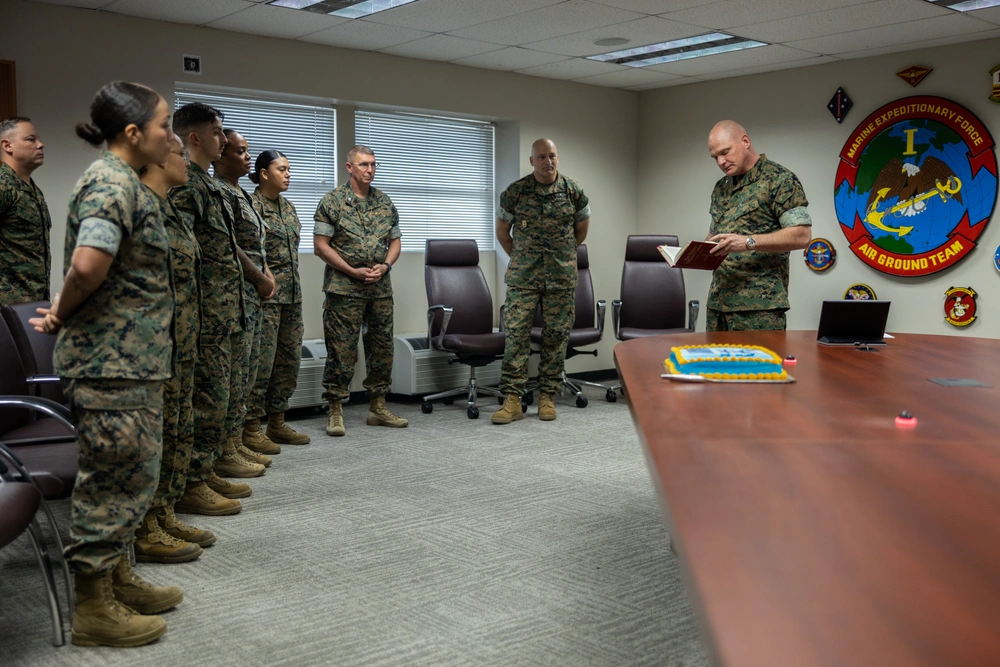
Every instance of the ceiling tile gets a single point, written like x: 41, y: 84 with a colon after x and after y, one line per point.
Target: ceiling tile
x: 360, y: 34
x: 272, y: 21
x: 552, y: 21
x: 624, y: 79
x: 448, y: 15
x: 905, y: 35
x: 509, y: 59
x: 729, y: 13
x: 573, y: 68
x: 846, y: 19
x: 194, y: 12
x: 773, y: 67
x: 640, y: 32
x: 441, y: 47
x: 679, y: 81
x: 85, y: 4
x: 940, y: 41
x: 651, y: 6
x: 734, y: 60
x: 992, y: 15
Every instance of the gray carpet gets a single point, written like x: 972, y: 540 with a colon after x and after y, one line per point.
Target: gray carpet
x: 451, y: 542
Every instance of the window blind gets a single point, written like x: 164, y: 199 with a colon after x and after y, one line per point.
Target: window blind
x: 438, y: 171
x: 305, y: 133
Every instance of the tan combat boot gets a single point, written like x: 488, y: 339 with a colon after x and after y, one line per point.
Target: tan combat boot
x: 253, y: 457
x: 335, y: 424
x: 379, y: 415
x: 176, y: 528
x: 510, y: 412
x: 101, y: 620
x: 133, y: 591
x: 153, y: 545
x: 198, y: 498
x: 279, y: 431
x: 232, y: 464
x: 255, y: 440
x: 546, y: 407
x: 228, y: 489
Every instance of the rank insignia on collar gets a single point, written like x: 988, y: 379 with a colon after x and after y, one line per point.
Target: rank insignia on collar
x: 839, y: 105
x: 860, y: 292
x: 960, y: 306
x: 995, y: 75
x: 914, y: 74
x: 819, y: 255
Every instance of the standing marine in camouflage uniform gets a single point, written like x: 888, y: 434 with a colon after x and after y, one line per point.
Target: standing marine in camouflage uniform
x: 162, y: 537
x: 245, y: 452
x: 25, y: 255
x: 281, y: 326
x: 357, y: 235
x: 548, y: 215
x: 758, y: 215
x: 204, y: 209
x: 113, y: 354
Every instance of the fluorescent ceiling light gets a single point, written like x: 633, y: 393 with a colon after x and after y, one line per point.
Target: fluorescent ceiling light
x: 351, y: 9
x: 966, y: 5
x: 679, y: 49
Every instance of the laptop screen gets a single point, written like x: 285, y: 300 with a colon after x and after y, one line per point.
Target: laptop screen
x: 850, y: 322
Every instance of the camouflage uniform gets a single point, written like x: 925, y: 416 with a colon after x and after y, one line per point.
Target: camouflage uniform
x: 203, y: 208
x: 25, y: 256
x: 754, y: 284
x: 360, y: 231
x: 282, y: 328
x: 113, y: 354
x: 178, y: 411
x: 542, y: 270
x: 249, y: 228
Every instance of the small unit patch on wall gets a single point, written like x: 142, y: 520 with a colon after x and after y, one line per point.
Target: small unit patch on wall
x: 192, y: 64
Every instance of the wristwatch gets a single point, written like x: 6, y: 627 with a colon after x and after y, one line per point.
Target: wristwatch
x: 388, y: 266
x: 751, y: 243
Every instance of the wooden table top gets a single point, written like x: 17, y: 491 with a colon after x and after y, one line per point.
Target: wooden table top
x: 811, y: 529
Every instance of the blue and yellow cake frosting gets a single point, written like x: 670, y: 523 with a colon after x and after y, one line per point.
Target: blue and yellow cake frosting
x: 726, y: 362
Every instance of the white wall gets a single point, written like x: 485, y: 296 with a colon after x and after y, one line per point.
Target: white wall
x: 64, y: 55
x: 786, y: 117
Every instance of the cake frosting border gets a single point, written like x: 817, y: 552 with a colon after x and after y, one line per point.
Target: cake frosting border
x: 774, y: 358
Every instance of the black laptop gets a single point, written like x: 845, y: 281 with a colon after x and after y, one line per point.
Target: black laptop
x: 853, y: 322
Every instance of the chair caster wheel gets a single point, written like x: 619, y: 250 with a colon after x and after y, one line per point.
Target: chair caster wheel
x: 473, y: 413
x: 528, y: 398
x: 581, y: 401
x: 448, y: 401
x: 611, y: 396
x: 426, y: 407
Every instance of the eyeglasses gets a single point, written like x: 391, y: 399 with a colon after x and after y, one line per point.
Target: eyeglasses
x: 184, y: 154
x: 365, y: 166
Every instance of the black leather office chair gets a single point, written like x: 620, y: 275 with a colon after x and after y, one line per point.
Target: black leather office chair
x: 653, y: 298
x: 35, y: 349
x: 584, y: 331
x: 460, y: 315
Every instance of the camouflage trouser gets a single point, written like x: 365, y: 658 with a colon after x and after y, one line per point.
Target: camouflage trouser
x: 342, y: 320
x: 216, y: 382
x: 178, y: 433
x: 119, y: 432
x: 251, y: 353
x: 558, y: 313
x: 280, y: 355
x: 745, y: 320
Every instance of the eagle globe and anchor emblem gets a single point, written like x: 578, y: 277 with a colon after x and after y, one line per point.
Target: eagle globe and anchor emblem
x: 916, y: 186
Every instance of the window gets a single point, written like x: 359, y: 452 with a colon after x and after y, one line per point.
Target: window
x: 305, y: 133
x: 438, y: 172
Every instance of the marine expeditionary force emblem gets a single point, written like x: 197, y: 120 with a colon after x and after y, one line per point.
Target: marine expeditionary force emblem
x: 960, y: 306
x: 916, y: 185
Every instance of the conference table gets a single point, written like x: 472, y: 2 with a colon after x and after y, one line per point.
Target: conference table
x: 810, y: 528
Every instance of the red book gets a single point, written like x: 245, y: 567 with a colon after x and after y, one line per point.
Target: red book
x: 695, y: 255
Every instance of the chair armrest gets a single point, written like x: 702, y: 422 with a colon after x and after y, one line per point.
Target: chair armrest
x: 693, y: 307
x: 431, y: 312
x: 602, y: 309
x: 38, y: 404
x: 616, y: 316
x: 43, y: 379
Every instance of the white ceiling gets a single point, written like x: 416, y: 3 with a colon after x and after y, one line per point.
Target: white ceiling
x: 550, y: 38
